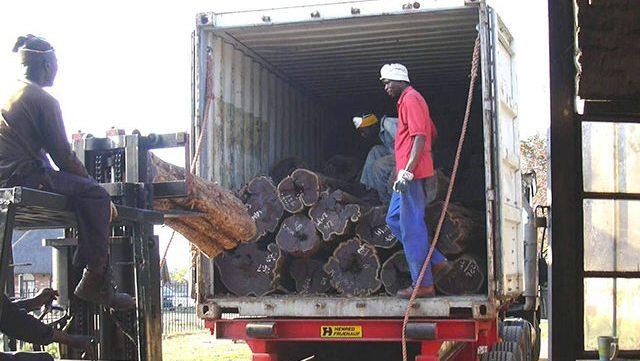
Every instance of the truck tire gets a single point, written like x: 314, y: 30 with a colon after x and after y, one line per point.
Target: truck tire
x: 513, y: 347
x: 498, y: 356
x: 531, y: 336
x: 517, y: 334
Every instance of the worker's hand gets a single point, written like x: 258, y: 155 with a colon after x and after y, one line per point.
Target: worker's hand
x: 81, y: 342
x: 86, y: 344
x: 45, y: 297
x: 402, y: 180
x: 114, y: 212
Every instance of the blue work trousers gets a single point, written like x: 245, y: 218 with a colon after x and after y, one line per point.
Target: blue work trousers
x: 405, y: 218
x: 91, y: 204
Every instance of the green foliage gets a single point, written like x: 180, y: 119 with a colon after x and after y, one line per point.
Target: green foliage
x: 534, y: 155
x: 180, y: 275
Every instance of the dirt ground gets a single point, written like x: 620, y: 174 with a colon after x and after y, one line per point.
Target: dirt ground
x: 202, y: 346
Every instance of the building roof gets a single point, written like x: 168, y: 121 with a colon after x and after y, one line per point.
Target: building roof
x: 28, y: 249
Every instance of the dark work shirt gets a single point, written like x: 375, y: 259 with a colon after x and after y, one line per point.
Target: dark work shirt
x: 31, y: 126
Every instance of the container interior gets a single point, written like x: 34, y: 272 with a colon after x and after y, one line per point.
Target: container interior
x: 285, y: 90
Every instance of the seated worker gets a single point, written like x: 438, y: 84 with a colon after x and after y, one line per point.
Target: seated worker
x: 16, y: 323
x: 378, y: 170
x: 31, y: 127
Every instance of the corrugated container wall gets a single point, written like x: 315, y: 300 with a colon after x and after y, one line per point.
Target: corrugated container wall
x: 255, y: 119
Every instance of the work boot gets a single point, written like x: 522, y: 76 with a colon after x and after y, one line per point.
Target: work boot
x: 100, y: 289
x: 423, y: 292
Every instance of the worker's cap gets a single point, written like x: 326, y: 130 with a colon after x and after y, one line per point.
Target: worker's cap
x: 365, y: 121
x: 394, y: 72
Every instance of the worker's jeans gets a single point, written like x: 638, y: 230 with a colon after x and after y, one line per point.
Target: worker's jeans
x: 405, y: 218
x: 91, y: 204
x: 377, y: 170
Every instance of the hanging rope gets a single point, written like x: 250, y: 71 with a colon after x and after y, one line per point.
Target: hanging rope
x: 205, y: 114
x: 474, y: 74
x: 201, y: 128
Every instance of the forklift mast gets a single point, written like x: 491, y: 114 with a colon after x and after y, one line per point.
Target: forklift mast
x: 119, y: 162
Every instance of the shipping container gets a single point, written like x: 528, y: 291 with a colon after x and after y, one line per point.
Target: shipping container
x: 286, y: 82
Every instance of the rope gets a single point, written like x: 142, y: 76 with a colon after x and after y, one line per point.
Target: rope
x: 204, y: 115
x: 473, y: 76
x: 163, y: 261
x: 201, y: 125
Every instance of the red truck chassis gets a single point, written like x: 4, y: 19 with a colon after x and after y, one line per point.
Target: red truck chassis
x: 266, y: 336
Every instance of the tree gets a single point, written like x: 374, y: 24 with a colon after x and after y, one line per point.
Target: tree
x: 535, y: 157
x: 179, y: 275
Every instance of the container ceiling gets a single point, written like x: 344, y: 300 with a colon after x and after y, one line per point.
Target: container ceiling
x: 339, y: 58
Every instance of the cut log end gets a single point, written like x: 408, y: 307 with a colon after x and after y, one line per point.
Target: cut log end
x: 459, y: 231
x: 299, y: 190
x: 372, y: 228
x: 332, y: 215
x: 353, y: 269
x: 263, y: 205
x: 465, y: 276
x: 251, y: 269
x: 298, y: 237
x: 309, y: 276
x: 395, y: 273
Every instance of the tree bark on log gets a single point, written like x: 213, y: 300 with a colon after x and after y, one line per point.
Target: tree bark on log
x: 334, y: 212
x: 309, y: 276
x: 460, y: 229
x: 353, y: 269
x: 395, y: 273
x: 372, y: 228
x: 263, y: 205
x: 250, y: 269
x: 227, y: 221
x: 299, y: 190
x: 465, y: 276
x: 201, y: 241
x: 298, y: 236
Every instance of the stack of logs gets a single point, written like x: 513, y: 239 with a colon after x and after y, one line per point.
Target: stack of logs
x: 313, y: 237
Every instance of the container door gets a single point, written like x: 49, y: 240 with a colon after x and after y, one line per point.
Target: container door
x: 503, y: 142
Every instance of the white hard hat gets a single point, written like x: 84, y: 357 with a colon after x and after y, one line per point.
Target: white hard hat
x: 394, y: 72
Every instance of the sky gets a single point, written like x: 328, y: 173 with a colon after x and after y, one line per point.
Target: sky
x: 126, y: 64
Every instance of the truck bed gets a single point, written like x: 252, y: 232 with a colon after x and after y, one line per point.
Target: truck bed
x: 471, y: 306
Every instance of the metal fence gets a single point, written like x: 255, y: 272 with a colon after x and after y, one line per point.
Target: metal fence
x: 178, y: 310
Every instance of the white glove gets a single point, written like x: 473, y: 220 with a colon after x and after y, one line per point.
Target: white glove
x: 403, y: 178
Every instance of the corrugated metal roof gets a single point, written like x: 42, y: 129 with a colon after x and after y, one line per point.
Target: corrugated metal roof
x: 342, y: 57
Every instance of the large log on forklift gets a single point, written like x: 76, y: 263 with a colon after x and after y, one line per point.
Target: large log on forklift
x: 226, y: 222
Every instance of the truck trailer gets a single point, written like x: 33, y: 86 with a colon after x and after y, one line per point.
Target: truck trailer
x: 286, y: 82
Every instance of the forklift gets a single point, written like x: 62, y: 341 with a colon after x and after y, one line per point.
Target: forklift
x: 120, y: 163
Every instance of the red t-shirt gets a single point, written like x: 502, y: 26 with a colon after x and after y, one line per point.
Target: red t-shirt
x: 414, y: 119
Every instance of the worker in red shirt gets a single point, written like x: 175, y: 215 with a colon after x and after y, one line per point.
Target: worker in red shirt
x: 414, y: 164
